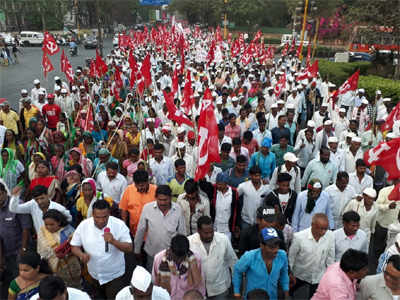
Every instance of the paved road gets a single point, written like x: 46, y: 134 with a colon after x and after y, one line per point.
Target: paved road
x: 16, y: 77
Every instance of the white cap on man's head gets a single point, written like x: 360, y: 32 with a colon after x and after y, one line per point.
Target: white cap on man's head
x: 311, y: 123
x: 36, y: 81
x: 56, y: 78
x: 356, y: 139
x: 181, y: 130
x: 333, y: 139
x: 141, y: 279
x: 24, y: 91
x: 57, y: 88
x: 364, y: 101
x: 328, y: 122
x: 370, y: 192
x: 361, y: 91
x: 378, y: 92
x: 342, y: 110
x: 289, y: 156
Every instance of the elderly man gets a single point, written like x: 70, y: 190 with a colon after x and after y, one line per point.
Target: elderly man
x: 352, y: 154
x: 312, y: 251
x: 36, y: 90
x: 383, y: 286
x: 217, y: 257
x: 310, y: 202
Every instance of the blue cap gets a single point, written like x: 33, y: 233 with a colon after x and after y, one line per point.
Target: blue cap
x: 269, y: 234
x: 222, y: 177
x: 266, y: 142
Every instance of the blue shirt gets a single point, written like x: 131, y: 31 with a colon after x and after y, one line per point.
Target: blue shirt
x: 233, y: 180
x: 267, y: 164
x: 302, y: 220
x: 257, y: 274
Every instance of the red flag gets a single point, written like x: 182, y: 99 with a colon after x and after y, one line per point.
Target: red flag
x: 386, y: 155
x: 235, y: 49
x: 395, y: 193
x: 207, y: 95
x: 299, y: 50
x: 134, y: 68
x: 89, y: 123
x: 46, y: 65
x: 207, y: 140
x: 187, y: 101
x: 392, y: 117
x: 117, y: 77
x: 63, y: 61
x: 350, y: 84
x: 182, y: 62
x: 175, y: 114
x: 308, y: 55
x: 257, y: 37
x: 310, y: 72
x: 69, y: 71
x: 140, y: 84
x: 293, y: 45
x: 49, y: 45
x: 100, y: 64
x: 145, y: 70
x: 285, y: 49
x: 93, y: 70
x: 211, y: 53
x: 280, y: 85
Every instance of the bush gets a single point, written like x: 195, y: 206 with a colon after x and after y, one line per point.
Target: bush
x: 340, y: 72
x: 273, y: 41
x: 389, y: 87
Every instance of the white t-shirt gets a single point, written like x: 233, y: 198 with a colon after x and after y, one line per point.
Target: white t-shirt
x: 73, y: 294
x: 158, y: 294
x: 284, y: 200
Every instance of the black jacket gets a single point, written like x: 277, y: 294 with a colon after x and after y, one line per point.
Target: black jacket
x: 272, y: 199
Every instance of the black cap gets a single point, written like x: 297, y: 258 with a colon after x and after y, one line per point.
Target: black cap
x: 267, y: 213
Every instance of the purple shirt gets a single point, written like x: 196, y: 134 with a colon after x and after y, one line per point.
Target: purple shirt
x: 335, y: 285
x: 179, y: 284
x: 11, y: 226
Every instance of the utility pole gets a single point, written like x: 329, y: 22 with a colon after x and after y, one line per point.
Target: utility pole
x: 99, y: 29
x: 225, y: 20
x: 303, y: 29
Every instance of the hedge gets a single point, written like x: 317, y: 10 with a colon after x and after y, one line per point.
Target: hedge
x: 390, y: 88
x: 339, y: 72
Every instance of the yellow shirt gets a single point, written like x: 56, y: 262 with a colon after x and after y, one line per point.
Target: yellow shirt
x: 83, y: 208
x: 10, y: 120
x: 28, y: 114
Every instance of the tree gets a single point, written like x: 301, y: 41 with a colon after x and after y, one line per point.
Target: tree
x: 381, y: 14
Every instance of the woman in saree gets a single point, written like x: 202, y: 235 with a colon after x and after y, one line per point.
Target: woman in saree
x: 54, y: 233
x: 117, y: 146
x: 36, y: 157
x: 14, y: 144
x: 32, y: 269
x: 44, y: 135
x: 133, y: 136
x: 58, y: 161
x: 76, y: 158
x: 71, y: 188
x: 46, y: 179
x: 11, y: 169
x: 88, y: 146
x: 157, y: 120
x: 31, y: 146
x: 89, y: 195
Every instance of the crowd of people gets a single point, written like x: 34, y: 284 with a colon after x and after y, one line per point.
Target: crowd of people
x: 291, y: 210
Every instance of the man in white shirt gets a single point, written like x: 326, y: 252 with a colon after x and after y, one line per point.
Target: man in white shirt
x: 359, y: 180
x: 253, y: 192
x: 104, y: 239
x: 341, y: 194
x: 337, y: 155
x: 54, y: 288
x: 341, y: 123
x: 161, y: 166
x: 261, y: 132
x: 217, y: 257
x: 352, y: 154
x: 111, y: 182
x: 288, y: 167
x: 36, y: 90
x: 311, y: 252
x: 350, y: 236
x: 141, y: 286
x: 37, y: 206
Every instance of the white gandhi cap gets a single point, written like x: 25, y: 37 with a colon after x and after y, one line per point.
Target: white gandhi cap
x: 141, y: 279
x: 370, y: 192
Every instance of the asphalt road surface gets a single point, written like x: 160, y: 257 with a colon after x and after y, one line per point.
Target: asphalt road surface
x: 20, y: 76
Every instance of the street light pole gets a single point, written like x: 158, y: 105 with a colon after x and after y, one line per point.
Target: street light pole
x: 225, y: 20
x: 303, y: 29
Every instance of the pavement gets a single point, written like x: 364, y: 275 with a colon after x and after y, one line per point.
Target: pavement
x: 20, y: 76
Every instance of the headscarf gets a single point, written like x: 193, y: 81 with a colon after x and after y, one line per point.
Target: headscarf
x: 10, y: 165
x: 92, y: 184
x: 314, y: 183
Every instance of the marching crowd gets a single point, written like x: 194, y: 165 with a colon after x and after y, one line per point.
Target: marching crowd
x: 99, y: 199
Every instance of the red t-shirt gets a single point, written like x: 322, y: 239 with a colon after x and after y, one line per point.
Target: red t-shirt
x: 52, y: 113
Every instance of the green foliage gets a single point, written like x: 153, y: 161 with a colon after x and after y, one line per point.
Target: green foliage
x: 325, y: 8
x: 390, y: 88
x: 339, y: 72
